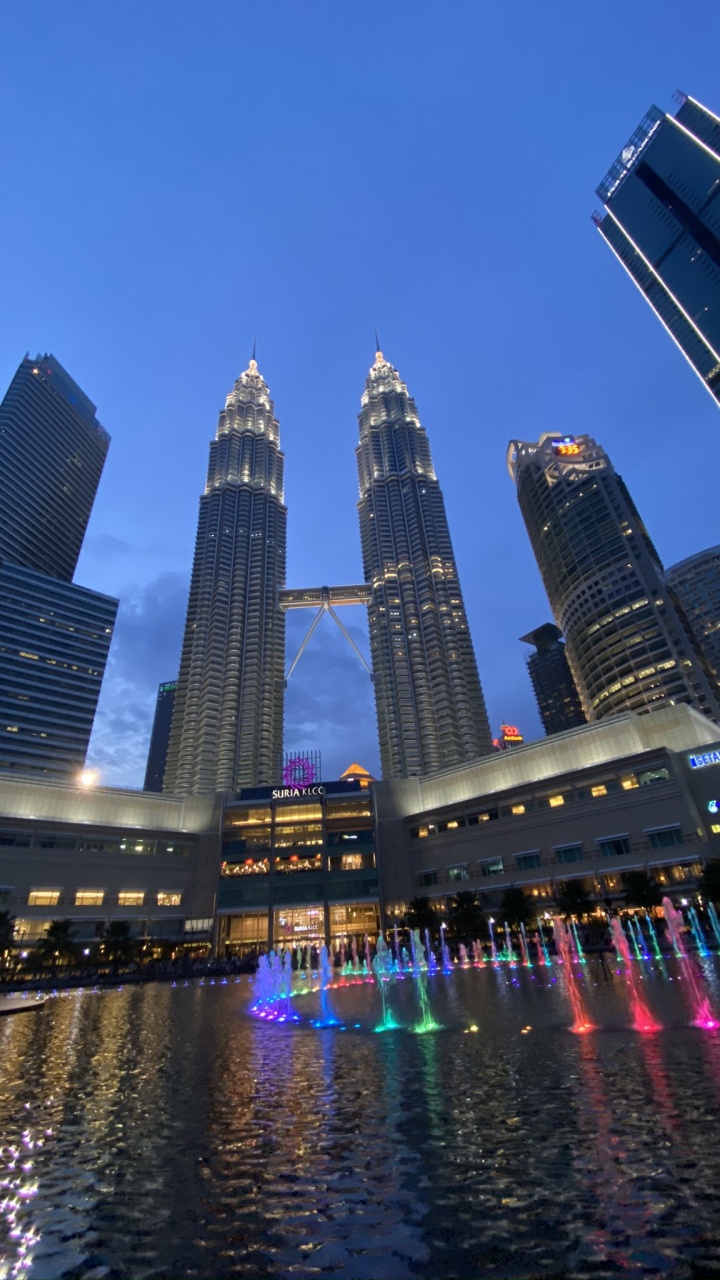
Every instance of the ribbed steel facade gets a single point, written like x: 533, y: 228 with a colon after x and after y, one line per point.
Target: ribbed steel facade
x: 52, y: 451
x: 662, y: 220
x: 696, y: 583
x: 628, y: 643
x: 430, y: 707
x: 228, y: 719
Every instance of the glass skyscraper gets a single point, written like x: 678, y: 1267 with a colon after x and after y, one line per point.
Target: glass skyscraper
x: 160, y: 737
x: 52, y: 451
x: 552, y: 681
x: 629, y: 646
x: 696, y: 583
x: 228, y: 718
x: 430, y: 707
x: 662, y: 220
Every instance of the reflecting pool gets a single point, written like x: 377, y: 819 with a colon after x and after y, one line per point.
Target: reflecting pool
x: 161, y: 1131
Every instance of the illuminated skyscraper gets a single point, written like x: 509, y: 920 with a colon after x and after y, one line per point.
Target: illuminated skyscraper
x: 430, y: 706
x: 662, y: 220
x: 629, y: 646
x: 160, y: 737
x: 228, y: 718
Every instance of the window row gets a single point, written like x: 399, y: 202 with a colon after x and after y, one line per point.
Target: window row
x: 535, y: 804
x: 127, y: 844
x: 96, y: 898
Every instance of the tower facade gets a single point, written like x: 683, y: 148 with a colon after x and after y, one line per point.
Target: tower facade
x: 228, y: 717
x: 629, y: 646
x: 52, y: 452
x: 552, y: 681
x: 662, y: 220
x: 696, y: 583
x: 160, y: 737
x: 430, y: 707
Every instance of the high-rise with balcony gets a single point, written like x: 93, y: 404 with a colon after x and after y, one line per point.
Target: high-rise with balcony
x: 628, y: 644
x: 228, y: 717
x: 661, y: 218
x: 54, y: 635
x: 52, y: 452
x: 696, y: 583
x: 430, y: 707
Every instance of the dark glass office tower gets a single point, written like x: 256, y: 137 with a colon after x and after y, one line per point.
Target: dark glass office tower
x: 696, y: 583
x: 557, y: 698
x: 160, y: 737
x: 430, y: 707
x: 629, y: 647
x: 228, y: 720
x: 54, y: 642
x: 662, y: 220
x: 52, y: 451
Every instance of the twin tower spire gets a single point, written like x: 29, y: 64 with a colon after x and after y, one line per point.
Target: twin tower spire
x: 227, y: 730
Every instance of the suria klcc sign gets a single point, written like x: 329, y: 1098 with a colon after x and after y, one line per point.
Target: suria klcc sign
x: 709, y: 757
x: 299, y: 777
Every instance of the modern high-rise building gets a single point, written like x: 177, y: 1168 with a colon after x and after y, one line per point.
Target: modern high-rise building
x: 54, y: 642
x: 662, y: 220
x: 430, y: 707
x: 696, y: 583
x: 228, y: 719
x: 628, y: 646
x: 557, y: 698
x: 52, y: 451
x: 160, y: 737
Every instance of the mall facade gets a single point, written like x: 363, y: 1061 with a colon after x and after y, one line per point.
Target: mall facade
x: 333, y: 861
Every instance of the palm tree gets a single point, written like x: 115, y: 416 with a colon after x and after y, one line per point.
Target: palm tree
x: 641, y: 890
x: 709, y: 883
x: 58, y: 943
x: 515, y: 907
x: 422, y: 914
x: 465, y: 917
x: 118, y: 946
x: 573, y: 899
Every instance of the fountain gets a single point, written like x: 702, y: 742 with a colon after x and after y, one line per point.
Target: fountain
x: 579, y: 953
x: 698, y: 934
x: 714, y: 921
x: 493, y: 948
x: 543, y: 944
x: 367, y: 967
x: 447, y: 962
x: 581, y: 1022
x: 354, y: 953
x: 703, y: 1014
x: 509, y: 949
x: 327, y: 1017
x: 641, y: 1015
x: 524, y: 946
x: 397, y: 947
x: 463, y: 955
x: 431, y: 961
x: 653, y: 939
x: 382, y: 969
x: 638, y: 940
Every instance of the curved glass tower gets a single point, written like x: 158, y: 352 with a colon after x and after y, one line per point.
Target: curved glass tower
x: 628, y: 642
x: 430, y: 707
x: 228, y: 719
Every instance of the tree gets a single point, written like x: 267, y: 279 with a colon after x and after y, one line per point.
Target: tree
x: 515, y: 907
x: 118, y: 946
x: 57, y: 945
x: 465, y: 917
x: 422, y: 914
x: 641, y: 890
x: 573, y: 899
x: 709, y: 884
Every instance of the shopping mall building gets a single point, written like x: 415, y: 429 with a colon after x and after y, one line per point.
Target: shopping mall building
x: 335, y: 860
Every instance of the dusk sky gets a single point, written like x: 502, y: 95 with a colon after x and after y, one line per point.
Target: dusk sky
x: 182, y: 177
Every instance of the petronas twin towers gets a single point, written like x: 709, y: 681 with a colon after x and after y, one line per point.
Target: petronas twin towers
x: 228, y: 720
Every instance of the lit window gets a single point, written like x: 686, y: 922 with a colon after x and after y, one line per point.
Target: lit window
x: 556, y: 801
x: 351, y: 861
x: 43, y: 897
x: 518, y: 808
x: 601, y: 790
x: 89, y: 897
x: 459, y: 872
x: 629, y: 782
x: 169, y: 899
x: 131, y: 898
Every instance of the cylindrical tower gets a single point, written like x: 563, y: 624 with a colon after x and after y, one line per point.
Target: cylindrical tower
x: 228, y: 719
x: 430, y: 706
x: 628, y: 642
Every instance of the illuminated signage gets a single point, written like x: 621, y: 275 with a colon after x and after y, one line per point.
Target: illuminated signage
x: 699, y: 762
x: 566, y: 448
x: 713, y: 806
x: 287, y: 793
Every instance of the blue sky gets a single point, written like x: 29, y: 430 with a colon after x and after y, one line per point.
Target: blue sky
x: 182, y: 177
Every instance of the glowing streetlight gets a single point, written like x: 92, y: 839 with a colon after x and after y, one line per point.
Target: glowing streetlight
x: 88, y: 778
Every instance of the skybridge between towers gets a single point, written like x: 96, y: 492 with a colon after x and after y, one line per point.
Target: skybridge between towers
x: 323, y: 599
